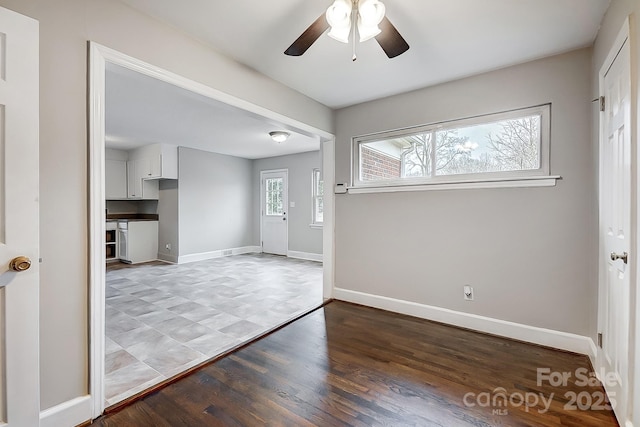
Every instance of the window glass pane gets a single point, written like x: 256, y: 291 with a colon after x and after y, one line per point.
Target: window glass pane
x: 380, y: 160
x: 273, y: 196
x: 318, y: 192
x: 318, y: 207
x: 416, y: 158
x: 502, y: 144
x: 508, y: 145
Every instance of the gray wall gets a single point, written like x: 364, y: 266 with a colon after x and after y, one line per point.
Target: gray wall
x: 65, y: 27
x: 168, y: 220
x: 302, y: 238
x: 529, y: 252
x: 215, y: 208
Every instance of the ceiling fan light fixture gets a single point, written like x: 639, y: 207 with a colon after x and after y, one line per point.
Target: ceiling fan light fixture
x: 370, y: 15
x: 367, y: 32
x: 340, y: 34
x: 339, y: 18
x: 279, y: 136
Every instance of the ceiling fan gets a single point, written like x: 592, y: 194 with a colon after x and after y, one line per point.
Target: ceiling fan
x: 344, y: 17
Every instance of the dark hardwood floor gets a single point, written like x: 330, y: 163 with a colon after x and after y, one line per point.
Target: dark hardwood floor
x: 347, y: 365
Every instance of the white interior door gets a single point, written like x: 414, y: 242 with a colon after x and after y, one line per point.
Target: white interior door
x: 19, y: 371
x: 615, y: 231
x: 274, y: 206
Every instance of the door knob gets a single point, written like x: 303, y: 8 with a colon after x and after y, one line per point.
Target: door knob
x: 20, y: 263
x: 623, y: 257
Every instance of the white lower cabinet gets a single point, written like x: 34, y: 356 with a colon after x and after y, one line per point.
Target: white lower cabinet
x: 111, y: 241
x: 141, y: 239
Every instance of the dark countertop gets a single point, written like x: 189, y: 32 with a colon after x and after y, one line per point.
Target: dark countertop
x: 132, y: 217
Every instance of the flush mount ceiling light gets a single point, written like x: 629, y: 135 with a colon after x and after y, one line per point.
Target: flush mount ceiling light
x: 346, y: 17
x: 279, y: 136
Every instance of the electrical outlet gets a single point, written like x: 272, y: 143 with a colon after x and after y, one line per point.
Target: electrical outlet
x: 168, y: 246
x: 468, y: 293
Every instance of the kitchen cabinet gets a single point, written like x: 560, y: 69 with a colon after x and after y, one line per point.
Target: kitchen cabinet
x: 137, y: 186
x: 135, y: 174
x: 139, y: 241
x: 115, y: 179
x: 111, y: 241
x: 157, y: 161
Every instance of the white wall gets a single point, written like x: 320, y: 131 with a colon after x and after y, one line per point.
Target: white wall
x: 215, y: 202
x: 302, y: 238
x: 65, y: 27
x: 528, y: 252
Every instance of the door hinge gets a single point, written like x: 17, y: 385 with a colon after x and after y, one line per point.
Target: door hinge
x: 599, y: 340
x: 602, y: 103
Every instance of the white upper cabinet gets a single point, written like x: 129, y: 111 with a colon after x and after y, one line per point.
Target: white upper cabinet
x: 160, y: 161
x: 134, y: 174
x: 116, y: 182
x: 138, y: 187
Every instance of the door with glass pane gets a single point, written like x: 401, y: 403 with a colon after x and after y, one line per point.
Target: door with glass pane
x: 273, y: 211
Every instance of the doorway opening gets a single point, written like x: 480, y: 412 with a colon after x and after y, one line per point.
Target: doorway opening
x: 145, y: 298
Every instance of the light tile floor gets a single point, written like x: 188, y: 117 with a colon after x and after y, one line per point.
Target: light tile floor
x: 162, y: 319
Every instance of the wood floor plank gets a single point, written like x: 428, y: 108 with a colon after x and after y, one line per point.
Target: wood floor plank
x: 348, y: 365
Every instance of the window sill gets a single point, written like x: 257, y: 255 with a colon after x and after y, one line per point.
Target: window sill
x: 534, y: 181
x: 317, y: 226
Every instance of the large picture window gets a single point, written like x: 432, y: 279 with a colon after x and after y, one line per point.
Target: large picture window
x: 502, y: 146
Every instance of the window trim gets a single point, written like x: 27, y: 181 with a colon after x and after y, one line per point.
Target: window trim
x: 314, y: 196
x: 493, y: 179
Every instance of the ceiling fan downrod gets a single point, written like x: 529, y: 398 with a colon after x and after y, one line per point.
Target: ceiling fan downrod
x: 354, y: 17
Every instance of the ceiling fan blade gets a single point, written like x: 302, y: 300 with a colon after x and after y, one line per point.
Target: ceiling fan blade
x: 390, y: 39
x: 309, y: 36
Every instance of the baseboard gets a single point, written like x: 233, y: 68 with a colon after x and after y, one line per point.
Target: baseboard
x: 305, y: 255
x: 168, y: 258
x: 547, y: 337
x: 218, y: 254
x: 70, y: 413
x: 593, y: 353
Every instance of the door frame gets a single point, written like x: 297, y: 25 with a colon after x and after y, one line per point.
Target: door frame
x: 98, y: 57
x: 624, y: 35
x: 262, y: 173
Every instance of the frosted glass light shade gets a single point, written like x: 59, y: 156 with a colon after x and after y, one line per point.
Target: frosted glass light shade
x: 370, y: 14
x: 339, y: 18
x: 279, y: 136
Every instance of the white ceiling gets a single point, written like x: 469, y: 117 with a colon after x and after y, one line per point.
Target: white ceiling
x: 142, y: 110
x: 449, y: 39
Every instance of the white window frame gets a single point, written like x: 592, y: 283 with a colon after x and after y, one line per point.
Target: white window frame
x: 519, y: 178
x: 314, y: 195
